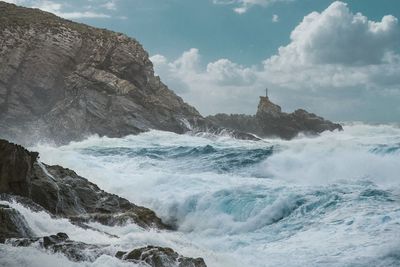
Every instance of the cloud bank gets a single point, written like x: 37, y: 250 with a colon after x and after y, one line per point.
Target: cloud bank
x: 334, y: 57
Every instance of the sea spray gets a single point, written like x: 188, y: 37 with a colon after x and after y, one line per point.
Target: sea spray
x: 330, y: 200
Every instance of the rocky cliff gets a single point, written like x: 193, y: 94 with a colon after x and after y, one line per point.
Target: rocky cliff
x: 270, y: 121
x: 62, y: 80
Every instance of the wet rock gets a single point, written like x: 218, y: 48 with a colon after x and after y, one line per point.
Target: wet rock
x: 64, y: 193
x: 270, y: 121
x: 15, y: 168
x: 160, y: 257
x: 12, y: 224
x: 60, y: 243
x: 79, y: 251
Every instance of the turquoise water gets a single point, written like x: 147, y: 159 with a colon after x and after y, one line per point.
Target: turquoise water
x: 332, y: 200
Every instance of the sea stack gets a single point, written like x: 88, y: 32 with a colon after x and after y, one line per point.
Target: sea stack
x: 270, y: 121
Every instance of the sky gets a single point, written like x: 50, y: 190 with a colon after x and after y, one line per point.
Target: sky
x: 338, y: 59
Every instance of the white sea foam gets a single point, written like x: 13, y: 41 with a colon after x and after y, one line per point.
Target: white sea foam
x: 332, y: 200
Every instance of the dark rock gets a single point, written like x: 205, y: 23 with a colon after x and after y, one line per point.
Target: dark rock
x: 12, y: 224
x: 15, y: 168
x: 270, y: 121
x: 62, y: 81
x: 160, y: 257
x: 60, y: 243
x: 64, y: 193
x: 79, y: 251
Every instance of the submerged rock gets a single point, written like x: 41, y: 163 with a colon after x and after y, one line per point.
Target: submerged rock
x: 64, y: 193
x: 160, y: 257
x: 270, y: 121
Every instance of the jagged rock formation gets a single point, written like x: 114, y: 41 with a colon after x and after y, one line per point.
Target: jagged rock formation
x: 64, y: 193
x: 62, y: 80
x: 270, y: 121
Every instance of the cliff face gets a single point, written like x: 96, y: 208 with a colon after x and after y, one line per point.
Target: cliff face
x: 270, y: 121
x: 62, y: 80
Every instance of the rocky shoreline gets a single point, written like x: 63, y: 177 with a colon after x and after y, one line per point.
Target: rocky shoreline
x: 63, y: 194
x: 62, y: 81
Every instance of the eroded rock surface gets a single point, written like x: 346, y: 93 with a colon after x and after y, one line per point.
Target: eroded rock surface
x: 62, y: 81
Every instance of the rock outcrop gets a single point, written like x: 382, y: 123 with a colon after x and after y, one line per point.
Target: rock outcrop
x: 62, y: 81
x: 270, y: 121
x: 159, y: 257
x: 60, y: 243
x: 80, y: 251
x: 62, y: 192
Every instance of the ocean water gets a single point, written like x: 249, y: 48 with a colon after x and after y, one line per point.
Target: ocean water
x: 331, y: 200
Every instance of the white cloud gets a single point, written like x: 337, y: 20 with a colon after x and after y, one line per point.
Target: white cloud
x: 337, y: 48
x: 333, y: 56
x: 110, y: 5
x: 225, y: 72
x: 338, y: 36
x: 275, y: 18
x: 242, y: 6
x: 216, y: 83
x: 60, y: 9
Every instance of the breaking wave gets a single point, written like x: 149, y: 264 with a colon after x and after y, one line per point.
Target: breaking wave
x: 331, y: 200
